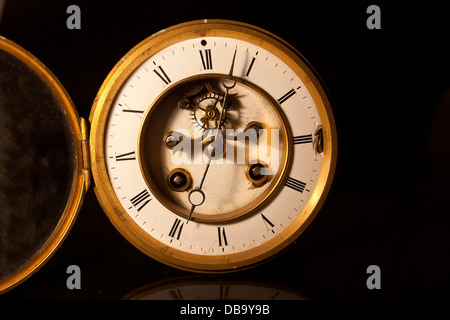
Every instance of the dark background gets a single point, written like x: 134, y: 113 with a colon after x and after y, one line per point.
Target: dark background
x: 391, y: 97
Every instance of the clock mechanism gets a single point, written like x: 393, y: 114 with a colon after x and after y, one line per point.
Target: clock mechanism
x: 205, y: 105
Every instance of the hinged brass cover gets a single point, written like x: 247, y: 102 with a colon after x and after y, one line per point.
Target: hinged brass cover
x: 86, y: 153
x: 44, y: 172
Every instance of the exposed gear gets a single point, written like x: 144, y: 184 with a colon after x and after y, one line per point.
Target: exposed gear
x: 205, y: 105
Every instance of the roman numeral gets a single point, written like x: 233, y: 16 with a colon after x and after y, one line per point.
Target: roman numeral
x: 176, y: 294
x: 126, y: 156
x: 289, y: 94
x: 223, y: 292
x: 268, y: 223
x: 307, y: 138
x: 140, y: 200
x: 250, y: 67
x: 133, y: 111
x: 295, y: 184
x: 222, y: 237
x: 162, y: 75
x: 177, y: 227
x: 206, y: 59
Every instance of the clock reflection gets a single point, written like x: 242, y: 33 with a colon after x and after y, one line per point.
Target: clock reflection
x: 212, y: 288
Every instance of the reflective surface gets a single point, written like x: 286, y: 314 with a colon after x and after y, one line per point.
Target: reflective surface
x: 36, y: 163
x: 210, y: 288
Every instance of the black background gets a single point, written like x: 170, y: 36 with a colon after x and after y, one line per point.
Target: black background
x: 391, y: 97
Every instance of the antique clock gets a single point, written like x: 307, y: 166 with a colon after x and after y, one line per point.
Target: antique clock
x: 211, y: 146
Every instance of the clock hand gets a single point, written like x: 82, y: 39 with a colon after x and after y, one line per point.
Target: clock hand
x: 193, y: 195
x: 227, y: 86
x: 229, y: 77
x: 196, y: 196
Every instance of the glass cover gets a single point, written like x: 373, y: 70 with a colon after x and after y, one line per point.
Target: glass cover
x: 37, y: 163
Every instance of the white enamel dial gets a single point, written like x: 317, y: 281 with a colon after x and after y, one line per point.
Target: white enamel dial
x: 237, y: 215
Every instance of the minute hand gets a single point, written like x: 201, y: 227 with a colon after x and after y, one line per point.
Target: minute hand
x: 231, y: 78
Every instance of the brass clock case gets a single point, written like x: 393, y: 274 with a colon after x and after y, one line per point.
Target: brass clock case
x: 42, y: 169
x: 99, y: 117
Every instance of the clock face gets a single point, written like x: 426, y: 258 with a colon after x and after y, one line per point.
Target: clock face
x: 213, y: 146
x: 175, y: 146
